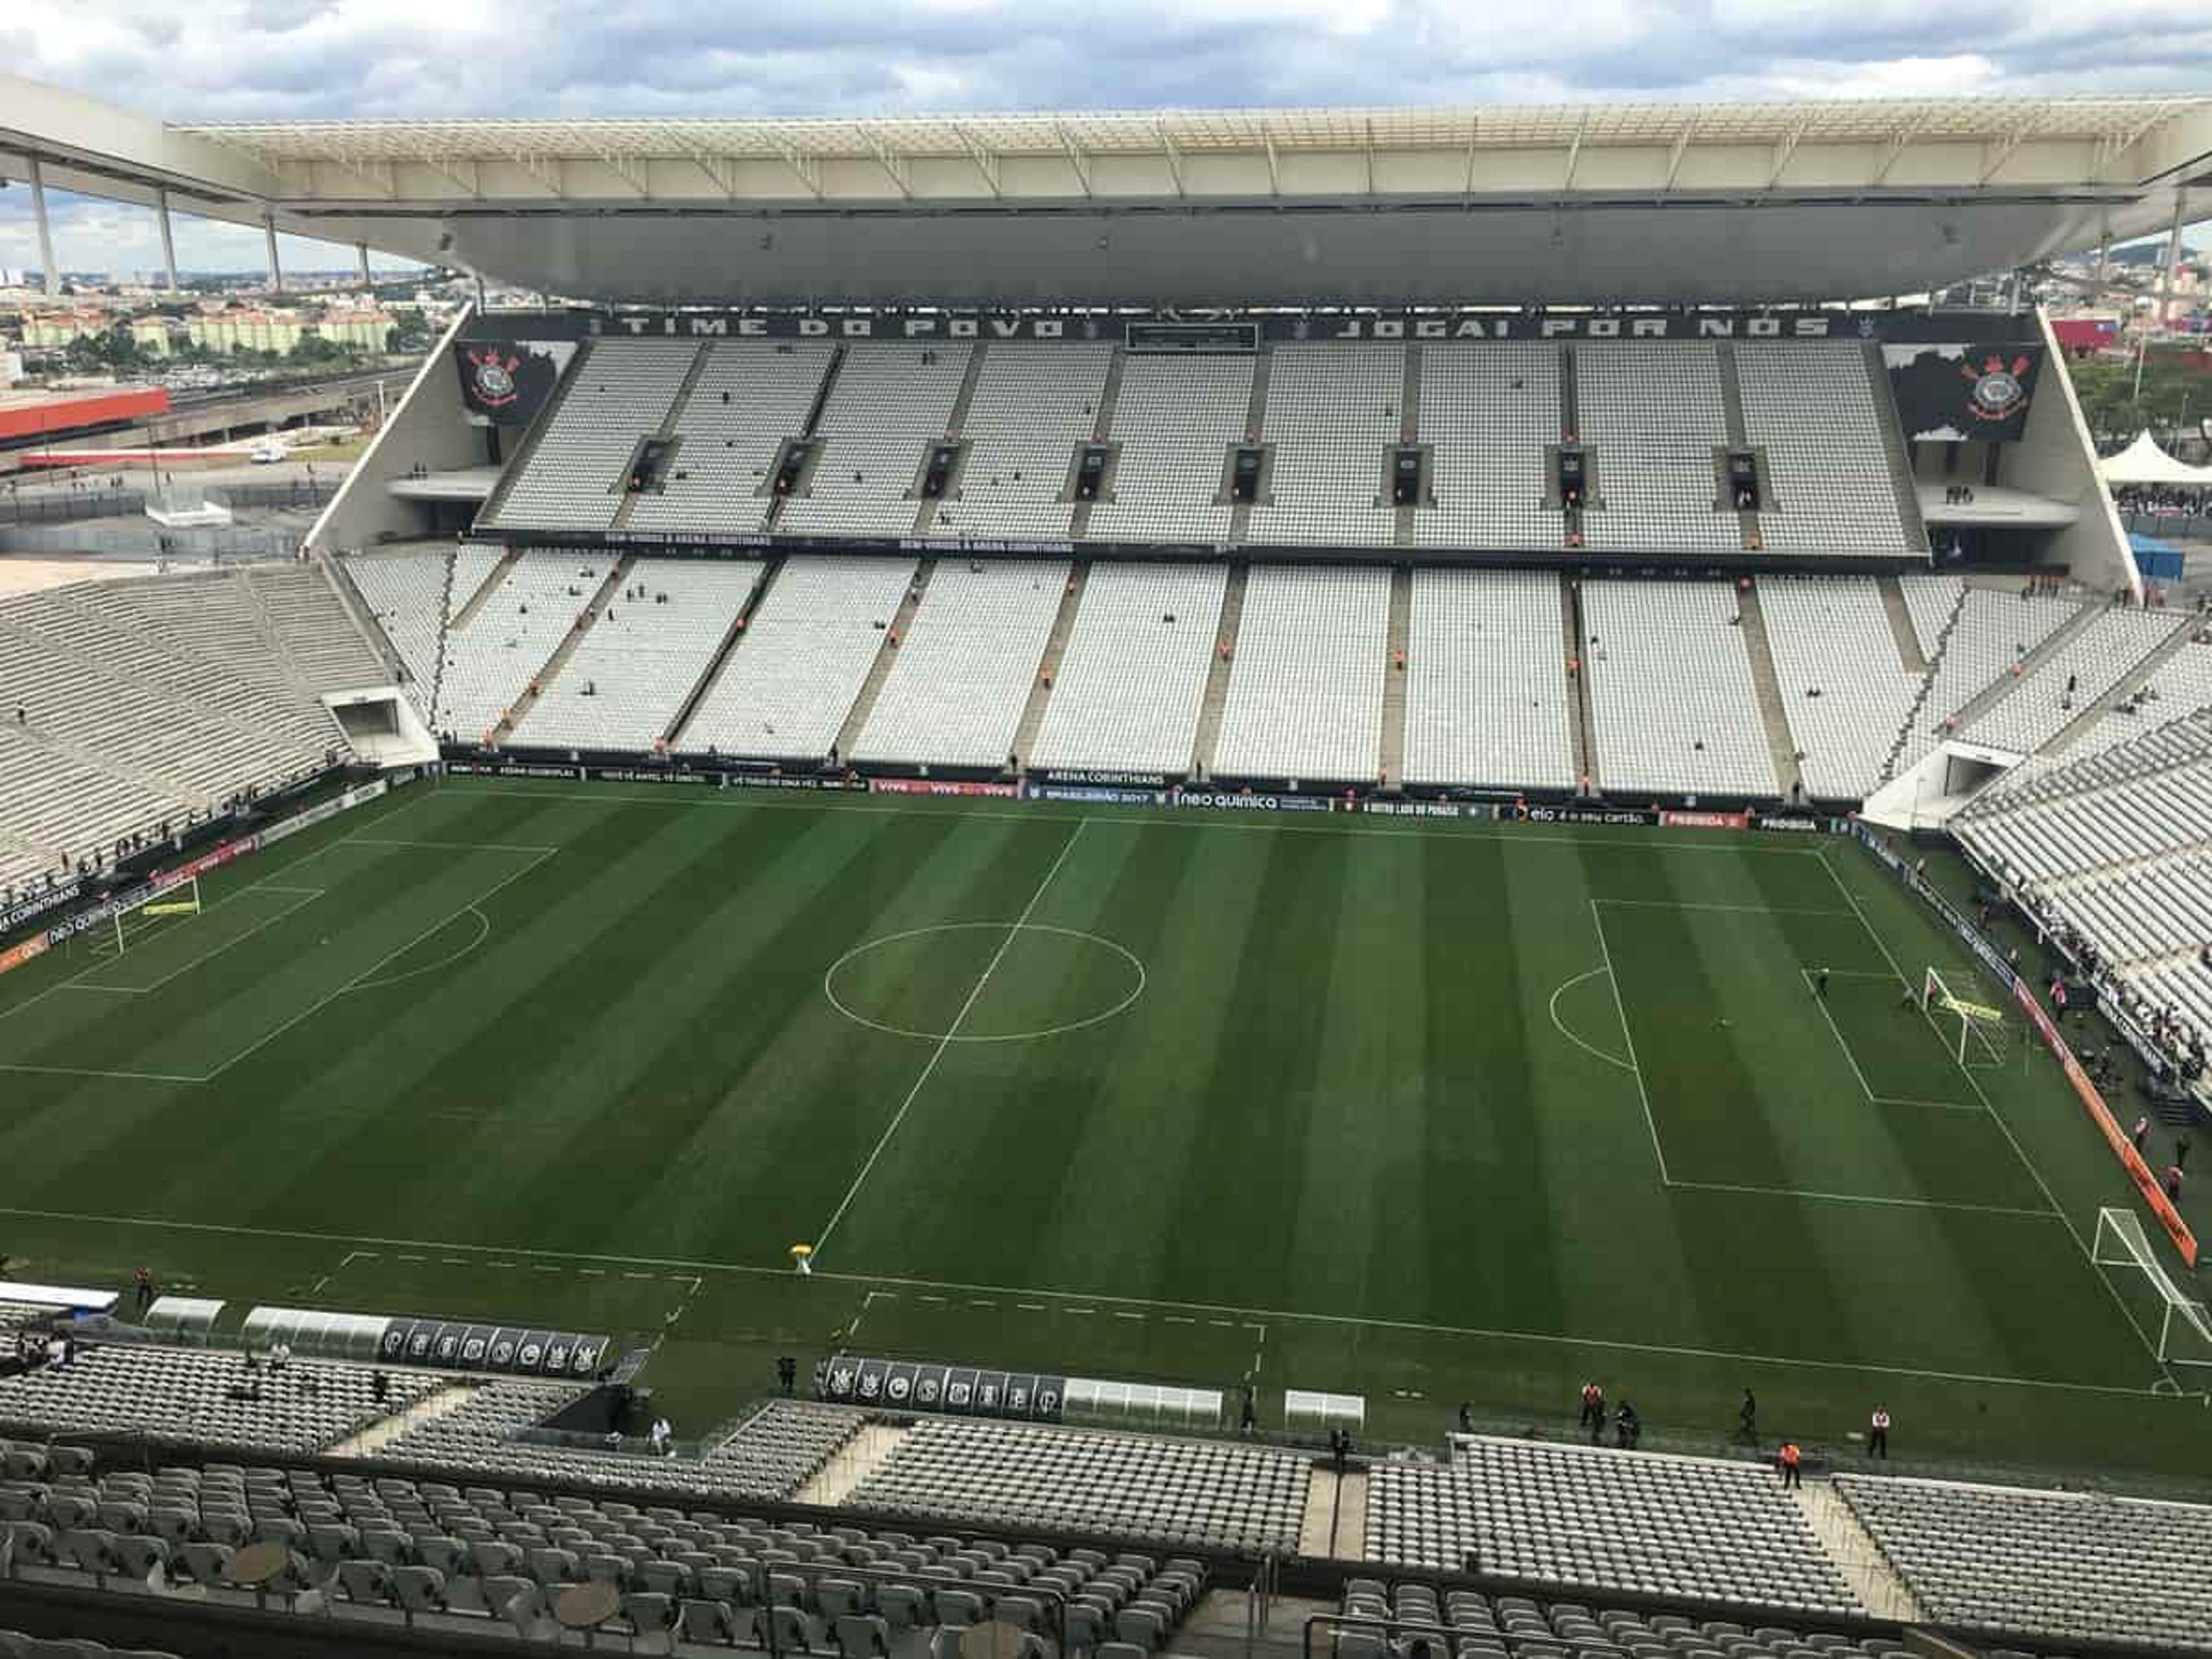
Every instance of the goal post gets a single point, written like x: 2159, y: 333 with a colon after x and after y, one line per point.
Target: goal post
x: 2185, y: 1328
x: 1977, y: 1033
x: 129, y: 927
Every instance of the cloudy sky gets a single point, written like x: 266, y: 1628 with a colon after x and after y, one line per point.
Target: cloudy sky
x: 296, y: 59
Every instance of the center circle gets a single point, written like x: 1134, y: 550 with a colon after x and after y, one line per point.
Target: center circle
x: 885, y: 972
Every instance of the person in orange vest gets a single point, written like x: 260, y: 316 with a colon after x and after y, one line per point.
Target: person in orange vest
x: 1593, y: 1417
x: 1791, y: 1458
x: 1878, y: 1435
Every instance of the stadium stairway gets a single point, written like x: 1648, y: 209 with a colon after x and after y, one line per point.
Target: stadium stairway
x: 461, y: 613
x: 1904, y: 733
x: 1056, y: 646
x: 1334, y: 1526
x: 1216, y: 678
x: 1109, y: 397
x: 852, y: 1462
x: 2064, y: 635
x: 1409, y: 432
x: 1899, y: 452
x: 856, y: 717
x: 1739, y: 437
x: 1394, y: 685
x: 723, y: 652
x: 1771, y: 714
x: 1571, y: 421
x: 1900, y: 627
x: 357, y: 611
x: 1855, y: 1554
x: 2129, y: 683
x: 594, y: 608
x: 1578, y: 697
x: 956, y: 427
x: 381, y: 1433
x: 518, y: 462
x: 1255, y: 422
x: 666, y: 431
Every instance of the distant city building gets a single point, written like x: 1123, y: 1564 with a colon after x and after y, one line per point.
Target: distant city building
x: 225, y: 332
x: 156, y: 335
x: 62, y: 328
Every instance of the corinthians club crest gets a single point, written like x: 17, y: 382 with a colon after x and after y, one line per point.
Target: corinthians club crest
x: 1995, y: 389
x: 491, y: 376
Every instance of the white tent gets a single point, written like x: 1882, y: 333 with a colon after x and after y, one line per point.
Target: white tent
x: 2143, y: 462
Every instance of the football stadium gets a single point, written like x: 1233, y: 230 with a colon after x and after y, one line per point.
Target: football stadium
x: 1309, y: 883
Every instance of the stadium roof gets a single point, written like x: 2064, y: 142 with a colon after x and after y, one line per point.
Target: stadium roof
x: 1598, y: 202
x: 2113, y: 123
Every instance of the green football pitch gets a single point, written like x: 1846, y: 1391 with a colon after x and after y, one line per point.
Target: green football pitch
x: 1431, y: 1112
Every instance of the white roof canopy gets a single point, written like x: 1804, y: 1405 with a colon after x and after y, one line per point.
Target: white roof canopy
x: 1596, y: 202
x: 2143, y: 462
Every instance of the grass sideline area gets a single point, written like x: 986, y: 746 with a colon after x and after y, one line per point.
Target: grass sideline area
x: 1430, y: 1113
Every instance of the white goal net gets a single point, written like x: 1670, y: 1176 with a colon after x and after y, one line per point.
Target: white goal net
x: 129, y: 929
x: 2184, y: 1328
x: 1979, y: 1034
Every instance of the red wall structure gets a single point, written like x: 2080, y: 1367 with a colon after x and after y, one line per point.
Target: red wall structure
x: 72, y: 412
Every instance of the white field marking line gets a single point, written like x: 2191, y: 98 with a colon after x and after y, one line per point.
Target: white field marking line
x: 312, y: 894
x: 1273, y: 1314
x: 1745, y: 909
x: 830, y: 974
x: 454, y: 845
x: 2019, y: 1152
x: 484, y: 933
x: 945, y: 1042
x: 284, y: 869
x: 113, y: 990
x: 1172, y: 818
x: 1821, y: 1001
x: 369, y: 972
x: 1597, y: 917
x: 1565, y: 986
x: 100, y: 963
x: 87, y: 1070
x: 1867, y: 1198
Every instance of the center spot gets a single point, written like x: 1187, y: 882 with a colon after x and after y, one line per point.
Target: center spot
x: 1043, y: 982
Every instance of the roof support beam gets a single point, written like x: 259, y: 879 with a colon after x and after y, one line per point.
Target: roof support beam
x: 985, y: 158
x: 1274, y: 168
x: 1898, y: 145
x: 2111, y: 148
x: 470, y: 184
x: 1367, y: 125
x: 629, y: 170
x: 1175, y: 156
x: 2005, y: 151
x: 808, y: 167
x: 49, y: 278
x: 1474, y: 138
x: 1075, y: 156
x: 721, y: 170
x: 544, y: 170
x: 1785, y: 150
x: 382, y: 182
x: 893, y: 164
x: 1575, y: 150
x: 1681, y: 147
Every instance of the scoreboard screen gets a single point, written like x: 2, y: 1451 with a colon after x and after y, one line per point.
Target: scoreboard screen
x: 1192, y: 339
